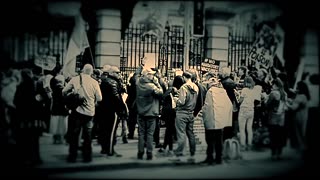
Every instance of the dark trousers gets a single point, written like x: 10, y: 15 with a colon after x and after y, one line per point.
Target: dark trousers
x: 146, y: 131
x: 235, y: 123
x: 132, y: 122
x: 29, y: 146
x: 231, y: 131
x: 170, y: 130
x: 214, y: 140
x: 80, y: 122
x: 156, y: 135
x: 108, y: 132
x: 277, y: 138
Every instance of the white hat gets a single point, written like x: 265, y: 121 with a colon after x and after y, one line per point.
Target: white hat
x: 106, y: 68
x: 147, y: 71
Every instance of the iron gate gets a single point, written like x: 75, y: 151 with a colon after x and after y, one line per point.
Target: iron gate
x: 240, y: 44
x: 167, y: 53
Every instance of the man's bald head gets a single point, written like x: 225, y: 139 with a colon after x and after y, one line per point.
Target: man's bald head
x: 87, y: 69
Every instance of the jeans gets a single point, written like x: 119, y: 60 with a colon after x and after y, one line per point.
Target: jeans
x: 184, y: 124
x: 147, y: 126
x: 245, y: 124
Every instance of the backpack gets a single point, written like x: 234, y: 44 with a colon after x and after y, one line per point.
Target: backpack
x: 231, y: 149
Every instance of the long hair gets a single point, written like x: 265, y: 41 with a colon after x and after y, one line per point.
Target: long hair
x: 303, y: 89
x: 279, y: 84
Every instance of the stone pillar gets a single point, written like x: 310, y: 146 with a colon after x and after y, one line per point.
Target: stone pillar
x: 108, y: 38
x: 217, y: 27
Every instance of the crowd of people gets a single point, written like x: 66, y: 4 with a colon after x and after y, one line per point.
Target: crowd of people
x: 231, y: 105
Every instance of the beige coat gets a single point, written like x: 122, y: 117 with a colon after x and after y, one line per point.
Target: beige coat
x: 217, y: 109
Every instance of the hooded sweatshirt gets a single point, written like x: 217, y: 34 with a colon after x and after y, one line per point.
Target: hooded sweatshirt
x: 148, y: 97
x: 188, y: 94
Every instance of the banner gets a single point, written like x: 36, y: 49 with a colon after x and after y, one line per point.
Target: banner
x: 264, y: 48
x: 77, y: 44
x: 211, y: 65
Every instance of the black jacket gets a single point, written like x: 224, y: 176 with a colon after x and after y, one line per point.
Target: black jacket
x: 111, y: 97
x: 229, y: 85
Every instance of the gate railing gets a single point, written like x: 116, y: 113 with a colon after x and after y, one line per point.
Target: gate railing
x: 167, y: 52
x: 240, y: 44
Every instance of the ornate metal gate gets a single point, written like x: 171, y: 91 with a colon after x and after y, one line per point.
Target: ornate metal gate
x: 167, y: 53
x: 239, y: 47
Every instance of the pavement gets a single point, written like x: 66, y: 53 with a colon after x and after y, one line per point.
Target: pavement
x: 54, y: 158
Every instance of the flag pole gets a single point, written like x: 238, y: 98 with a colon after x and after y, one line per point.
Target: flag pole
x: 93, y: 64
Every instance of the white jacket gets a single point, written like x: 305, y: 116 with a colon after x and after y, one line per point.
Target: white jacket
x: 217, y: 109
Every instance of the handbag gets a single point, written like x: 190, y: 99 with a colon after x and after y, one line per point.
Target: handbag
x: 231, y: 149
x: 75, y: 98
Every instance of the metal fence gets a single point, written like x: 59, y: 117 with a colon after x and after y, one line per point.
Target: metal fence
x: 196, y: 52
x: 166, y: 53
x: 28, y: 46
x: 239, y: 47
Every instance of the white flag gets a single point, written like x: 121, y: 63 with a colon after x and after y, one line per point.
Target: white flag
x: 77, y: 44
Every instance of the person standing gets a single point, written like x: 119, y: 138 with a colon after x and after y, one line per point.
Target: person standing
x: 164, y: 86
x: 185, y: 105
x: 59, y: 112
x: 82, y: 116
x: 276, y: 107
x: 28, y: 103
x: 217, y: 114
x: 132, y: 107
x: 131, y: 100
x: 300, y: 109
x: 229, y: 85
x: 149, y: 94
x: 110, y: 110
x: 246, y: 113
x: 169, y: 113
